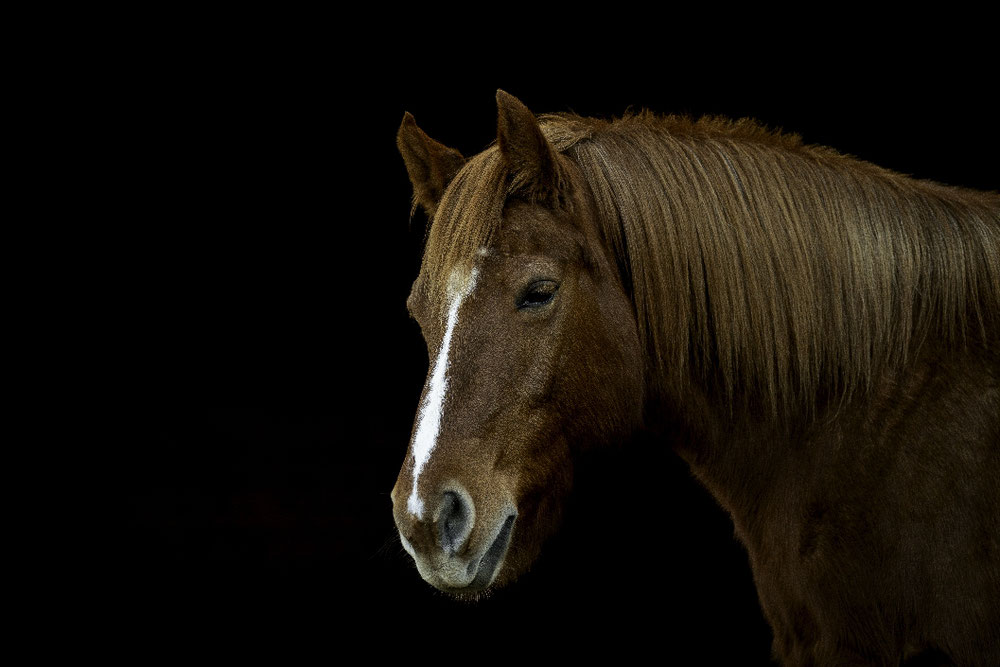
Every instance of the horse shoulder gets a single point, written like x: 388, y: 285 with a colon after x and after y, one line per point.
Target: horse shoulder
x: 882, y: 529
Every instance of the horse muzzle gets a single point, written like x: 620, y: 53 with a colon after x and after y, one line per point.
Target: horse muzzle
x: 455, y: 550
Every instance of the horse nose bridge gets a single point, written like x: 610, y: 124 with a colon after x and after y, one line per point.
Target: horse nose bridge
x: 454, y: 457
x: 479, y: 384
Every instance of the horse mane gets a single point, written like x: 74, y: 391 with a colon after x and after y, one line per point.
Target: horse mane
x: 770, y: 270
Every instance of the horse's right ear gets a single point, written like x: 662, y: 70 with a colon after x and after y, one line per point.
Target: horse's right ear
x: 431, y: 165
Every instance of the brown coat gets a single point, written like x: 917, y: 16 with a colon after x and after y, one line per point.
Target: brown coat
x: 816, y: 336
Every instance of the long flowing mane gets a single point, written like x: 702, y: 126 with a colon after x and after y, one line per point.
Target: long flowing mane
x: 768, y: 269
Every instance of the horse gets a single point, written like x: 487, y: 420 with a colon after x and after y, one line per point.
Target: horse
x: 816, y: 336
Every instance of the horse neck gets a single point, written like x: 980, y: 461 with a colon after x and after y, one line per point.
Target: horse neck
x: 759, y: 468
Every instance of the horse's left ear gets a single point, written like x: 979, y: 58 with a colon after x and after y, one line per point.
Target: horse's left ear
x: 533, y: 162
x: 431, y: 165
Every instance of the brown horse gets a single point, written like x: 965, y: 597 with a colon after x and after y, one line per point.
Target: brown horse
x: 819, y: 338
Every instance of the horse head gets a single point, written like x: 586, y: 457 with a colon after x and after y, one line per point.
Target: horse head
x: 534, y: 353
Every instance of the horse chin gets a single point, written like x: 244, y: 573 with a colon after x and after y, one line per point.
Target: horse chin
x: 512, y: 554
x: 491, y: 573
x: 481, y: 573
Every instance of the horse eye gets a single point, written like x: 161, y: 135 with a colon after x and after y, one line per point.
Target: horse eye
x: 538, y: 294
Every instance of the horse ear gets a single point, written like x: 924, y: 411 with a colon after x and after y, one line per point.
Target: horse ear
x: 431, y: 165
x: 530, y: 157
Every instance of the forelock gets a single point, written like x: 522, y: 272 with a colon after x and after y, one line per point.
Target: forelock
x: 467, y: 217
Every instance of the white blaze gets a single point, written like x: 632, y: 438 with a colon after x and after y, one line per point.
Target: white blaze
x: 460, y: 285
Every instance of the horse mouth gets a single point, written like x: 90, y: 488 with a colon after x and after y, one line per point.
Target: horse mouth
x: 491, y: 560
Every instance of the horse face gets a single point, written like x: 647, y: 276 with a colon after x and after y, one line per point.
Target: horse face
x: 534, y: 358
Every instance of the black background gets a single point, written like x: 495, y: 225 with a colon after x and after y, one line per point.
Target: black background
x: 279, y: 372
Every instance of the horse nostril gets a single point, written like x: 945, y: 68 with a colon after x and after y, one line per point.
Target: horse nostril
x: 455, y: 521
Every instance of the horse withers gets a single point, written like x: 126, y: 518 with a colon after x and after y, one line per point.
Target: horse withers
x: 816, y: 336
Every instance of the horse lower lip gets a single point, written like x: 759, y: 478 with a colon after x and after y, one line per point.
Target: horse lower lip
x: 491, y: 559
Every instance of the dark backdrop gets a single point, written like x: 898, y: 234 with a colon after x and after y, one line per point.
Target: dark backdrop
x: 273, y: 257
